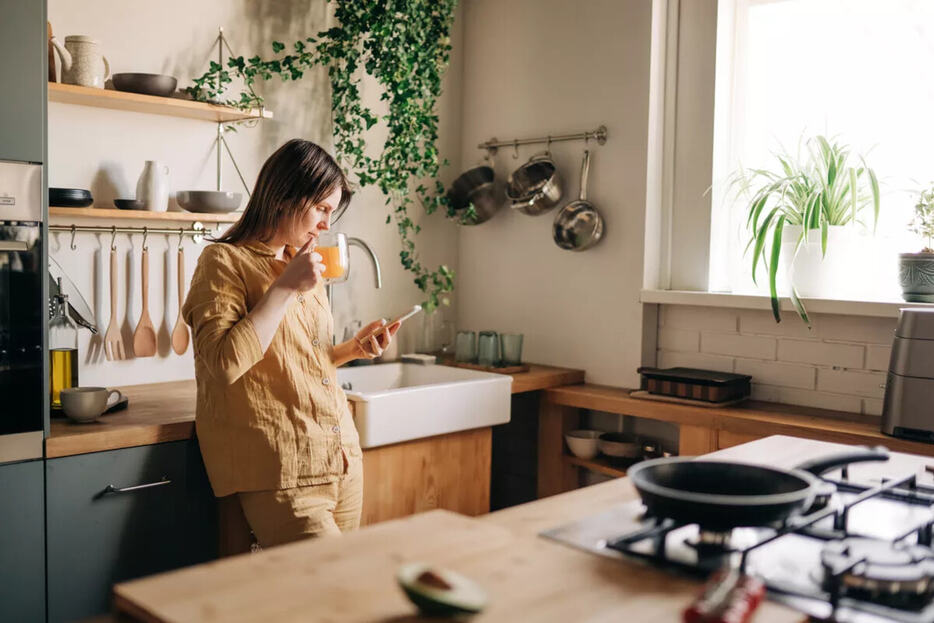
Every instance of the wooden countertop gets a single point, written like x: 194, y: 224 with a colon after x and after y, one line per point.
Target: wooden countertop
x: 160, y: 412
x: 751, y: 417
x: 528, y: 578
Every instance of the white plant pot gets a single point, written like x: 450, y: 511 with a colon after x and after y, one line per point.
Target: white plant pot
x: 813, y: 274
x: 153, y: 186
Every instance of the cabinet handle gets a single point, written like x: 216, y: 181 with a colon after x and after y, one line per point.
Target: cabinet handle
x: 112, y: 489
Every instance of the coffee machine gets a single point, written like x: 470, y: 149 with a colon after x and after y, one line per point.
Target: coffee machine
x: 908, y: 408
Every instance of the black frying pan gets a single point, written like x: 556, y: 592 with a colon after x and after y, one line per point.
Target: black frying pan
x: 722, y: 495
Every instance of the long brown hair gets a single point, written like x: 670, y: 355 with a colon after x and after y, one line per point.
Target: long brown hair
x: 297, y: 173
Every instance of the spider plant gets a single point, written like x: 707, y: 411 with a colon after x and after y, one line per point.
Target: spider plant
x: 826, y: 185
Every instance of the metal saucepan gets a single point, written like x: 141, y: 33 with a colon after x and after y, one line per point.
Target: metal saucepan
x: 478, y: 187
x: 722, y: 495
x: 578, y: 225
x: 535, y: 187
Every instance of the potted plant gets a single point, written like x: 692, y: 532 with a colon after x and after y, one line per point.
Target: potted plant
x: 916, y: 270
x: 794, y: 212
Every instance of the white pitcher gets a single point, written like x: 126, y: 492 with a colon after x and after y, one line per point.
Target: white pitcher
x: 153, y: 186
x: 82, y: 61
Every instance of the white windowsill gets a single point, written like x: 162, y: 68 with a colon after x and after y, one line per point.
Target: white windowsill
x: 884, y: 309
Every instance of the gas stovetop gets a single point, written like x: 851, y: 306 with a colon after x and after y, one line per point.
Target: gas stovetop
x: 865, y: 556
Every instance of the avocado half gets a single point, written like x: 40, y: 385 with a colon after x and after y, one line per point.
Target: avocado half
x: 440, y: 592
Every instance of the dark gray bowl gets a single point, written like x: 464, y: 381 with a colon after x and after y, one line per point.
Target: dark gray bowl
x: 130, y: 204
x: 147, y: 84
x: 214, y: 201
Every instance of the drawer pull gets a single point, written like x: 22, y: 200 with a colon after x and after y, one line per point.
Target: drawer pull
x: 112, y: 489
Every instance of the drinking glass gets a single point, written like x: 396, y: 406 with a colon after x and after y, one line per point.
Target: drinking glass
x: 488, y: 349
x: 465, y: 347
x: 511, y: 345
x: 334, y: 254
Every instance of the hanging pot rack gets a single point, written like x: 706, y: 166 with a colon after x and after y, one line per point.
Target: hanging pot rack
x: 599, y: 135
x: 197, y: 232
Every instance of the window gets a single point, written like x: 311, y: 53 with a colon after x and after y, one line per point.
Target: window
x: 858, y: 70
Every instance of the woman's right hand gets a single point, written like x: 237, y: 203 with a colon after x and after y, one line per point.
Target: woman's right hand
x: 303, y: 271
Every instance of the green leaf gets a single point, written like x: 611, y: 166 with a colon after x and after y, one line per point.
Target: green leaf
x: 773, y: 268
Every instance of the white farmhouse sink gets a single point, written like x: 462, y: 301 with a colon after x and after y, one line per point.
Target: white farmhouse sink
x: 396, y: 402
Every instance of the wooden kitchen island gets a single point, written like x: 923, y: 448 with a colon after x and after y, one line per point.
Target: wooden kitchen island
x: 528, y: 578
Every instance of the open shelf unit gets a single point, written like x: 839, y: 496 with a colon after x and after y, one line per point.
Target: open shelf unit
x: 136, y: 102
x: 145, y: 215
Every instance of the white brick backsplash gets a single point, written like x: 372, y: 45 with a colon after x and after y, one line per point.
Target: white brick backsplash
x: 674, y: 359
x: 866, y: 384
x: 751, y: 346
x: 864, y: 329
x: 877, y: 357
x: 763, y: 323
x: 821, y: 353
x: 699, y: 318
x: 773, y: 373
x: 808, y: 398
x: 678, y: 339
x: 871, y: 406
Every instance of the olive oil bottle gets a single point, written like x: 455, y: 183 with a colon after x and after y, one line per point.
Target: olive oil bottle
x: 63, y: 351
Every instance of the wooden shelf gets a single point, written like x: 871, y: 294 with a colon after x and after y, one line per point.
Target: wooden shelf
x: 136, y: 102
x: 601, y: 466
x: 145, y: 215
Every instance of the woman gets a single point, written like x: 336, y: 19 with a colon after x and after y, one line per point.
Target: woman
x: 272, y: 421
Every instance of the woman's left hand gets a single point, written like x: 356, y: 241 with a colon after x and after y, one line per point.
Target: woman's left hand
x: 374, y: 338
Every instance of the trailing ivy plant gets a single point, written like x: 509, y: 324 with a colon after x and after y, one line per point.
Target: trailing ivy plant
x: 403, y: 44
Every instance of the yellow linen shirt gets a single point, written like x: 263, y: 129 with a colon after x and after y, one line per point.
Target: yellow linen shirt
x: 272, y: 420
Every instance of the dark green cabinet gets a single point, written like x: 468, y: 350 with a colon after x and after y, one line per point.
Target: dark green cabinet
x: 123, y: 514
x: 24, y: 75
x: 22, y: 542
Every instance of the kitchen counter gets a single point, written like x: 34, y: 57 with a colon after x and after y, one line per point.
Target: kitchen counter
x: 527, y: 577
x: 160, y: 412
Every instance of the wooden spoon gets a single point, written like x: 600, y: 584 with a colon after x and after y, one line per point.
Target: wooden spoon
x: 144, y: 338
x: 180, y: 332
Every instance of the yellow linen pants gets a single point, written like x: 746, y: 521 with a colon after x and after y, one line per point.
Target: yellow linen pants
x: 286, y: 515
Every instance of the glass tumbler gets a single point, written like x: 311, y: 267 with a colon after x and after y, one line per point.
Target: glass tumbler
x: 511, y: 346
x: 488, y: 349
x: 465, y: 347
x: 335, y: 256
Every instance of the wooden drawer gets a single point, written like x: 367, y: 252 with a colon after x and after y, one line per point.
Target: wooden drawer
x: 97, y: 537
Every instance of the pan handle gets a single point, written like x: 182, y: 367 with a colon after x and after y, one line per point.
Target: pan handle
x: 824, y: 464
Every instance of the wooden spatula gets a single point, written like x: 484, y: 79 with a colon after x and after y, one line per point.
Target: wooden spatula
x: 144, y: 338
x: 180, y: 332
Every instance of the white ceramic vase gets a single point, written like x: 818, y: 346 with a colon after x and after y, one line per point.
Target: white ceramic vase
x: 813, y: 274
x: 153, y: 186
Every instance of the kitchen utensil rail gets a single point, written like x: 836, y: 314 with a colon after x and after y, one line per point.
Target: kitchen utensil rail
x: 197, y: 231
x: 599, y: 135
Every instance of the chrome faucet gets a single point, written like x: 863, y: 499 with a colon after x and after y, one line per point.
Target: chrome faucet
x: 357, y: 242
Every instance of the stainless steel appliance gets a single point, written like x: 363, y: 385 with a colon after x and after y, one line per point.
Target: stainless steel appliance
x: 909, y: 386
x: 22, y: 312
x: 860, y: 554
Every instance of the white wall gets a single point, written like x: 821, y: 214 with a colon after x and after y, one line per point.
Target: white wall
x: 537, y: 67
x: 104, y: 150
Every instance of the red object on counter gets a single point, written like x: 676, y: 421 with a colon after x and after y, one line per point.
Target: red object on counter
x: 728, y: 597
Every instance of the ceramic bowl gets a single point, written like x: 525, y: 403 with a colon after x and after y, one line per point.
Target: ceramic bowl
x: 147, y: 84
x: 213, y: 201
x: 130, y: 204
x: 583, y: 443
x: 619, y: 446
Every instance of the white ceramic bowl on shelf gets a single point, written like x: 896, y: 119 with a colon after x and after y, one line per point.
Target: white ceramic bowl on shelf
x: 582, y: 443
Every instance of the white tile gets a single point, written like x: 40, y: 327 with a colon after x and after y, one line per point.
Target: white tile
x: 871, y: 406
x: 699, y: 318
x: 751, y: 346
x: 674, y: 359
x: 766, y: 393
x: 819, y: 400
x: 865, y: 329
x: 868, y: 384
x: 774, y: 373
x: 678, y: 339
x: 758, y: 322
x: 821, y: 353
x: 877, y: 357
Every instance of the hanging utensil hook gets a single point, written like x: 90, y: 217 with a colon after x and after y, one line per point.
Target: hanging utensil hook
x: 145, y: 236
x: 181, y: 237
x: 515, y: 149
x: 113, y: 238
x: 74, y: 230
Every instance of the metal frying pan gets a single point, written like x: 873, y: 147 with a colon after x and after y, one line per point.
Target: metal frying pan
x: 578, y: 225
x: 723, y: 495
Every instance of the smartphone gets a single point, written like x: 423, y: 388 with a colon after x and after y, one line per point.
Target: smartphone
x: 415, y: 309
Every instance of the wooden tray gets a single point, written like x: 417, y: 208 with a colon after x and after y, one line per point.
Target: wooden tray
x: 644, y: 395
x: 522, y: 367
